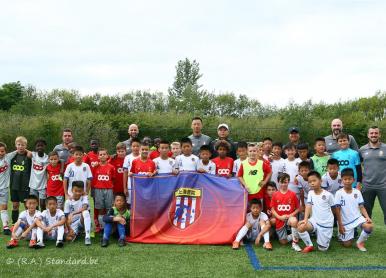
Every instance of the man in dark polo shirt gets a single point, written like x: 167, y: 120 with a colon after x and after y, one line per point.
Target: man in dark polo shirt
x: 223, y: 134
x: 331, y: 142
x: 62, y: 149
x: 198, y: 139
x: 373, y: 155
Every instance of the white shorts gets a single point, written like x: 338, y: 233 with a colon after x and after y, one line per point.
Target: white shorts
x: 4, y: 195
x: 323, y: 234
x: 77, y: 226
x: 350, y: 227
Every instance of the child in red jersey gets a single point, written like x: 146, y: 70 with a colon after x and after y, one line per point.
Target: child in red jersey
x: 55, y: 179
x: 267, y: 208
x: 224, y: 164
x: 103, y: 187
x: 143, y: 165
x: 117, y: 161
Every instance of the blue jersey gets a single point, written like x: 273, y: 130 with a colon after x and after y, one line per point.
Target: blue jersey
x: 348, y: 158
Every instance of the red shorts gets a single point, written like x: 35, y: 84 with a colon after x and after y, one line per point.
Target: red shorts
x: 258, y: 195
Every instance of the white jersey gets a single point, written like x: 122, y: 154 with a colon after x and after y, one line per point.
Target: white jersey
x: 186, y: 163
x: 292, y: 169
x: 236, y: 166
x: 27, y: 218
x: 49, y: 219
x: 77, y: 173
x: 164, y: 166
x: 38, y: 178
x: 331, y: 185
x: 277, y: 166
x: 72, y: 205
x: 5, y: 169
x: 255, y: 222
x: 321, y: 208
x: 210, y: 168
x: 128, y: 160
x: 303, y: 184
x: 349, y: 204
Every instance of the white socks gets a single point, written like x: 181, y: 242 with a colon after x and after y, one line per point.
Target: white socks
x: 39, y: 234
x: 305, y: 236
x: 87, y: 222
x: 60, y: 232
x: 295, y: 234
x: 4, y: 218
x: 243, y: 231
x: 363, y: 236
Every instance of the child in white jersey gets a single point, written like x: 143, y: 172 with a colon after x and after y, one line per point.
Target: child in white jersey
x: 205, y: 165
x: 291, y: 167
x: 242, y: 154
x: 277, y: 162
x: 164, y: 163
x: 186, y: 161
x: 331, y: 180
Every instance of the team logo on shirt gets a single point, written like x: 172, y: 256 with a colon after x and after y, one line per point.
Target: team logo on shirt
x: 103, y: 178
x: 186, y: 207
x: 56, y: 178
x: 94, y: 164
x: 37, y: 167
x: 223, y: 171
x: 193, y: 159
x: 84, y: 169
x: 120, y: 170
x: 283, y: 207
x: 4, y: 168
x: 344, y: 162
x: 355, y: 195
x: 18, y: 168
x: 252, y: 173
x: 324, y: 197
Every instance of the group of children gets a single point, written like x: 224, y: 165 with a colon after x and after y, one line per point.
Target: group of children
x: 289, y: 197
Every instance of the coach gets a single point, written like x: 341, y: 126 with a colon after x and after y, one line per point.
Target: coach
x: 331, y: 142
x: 62, y: 149
x: 374, y: 176
x: 133, y: 132
x: 223, y: 134
x: 198, y: 139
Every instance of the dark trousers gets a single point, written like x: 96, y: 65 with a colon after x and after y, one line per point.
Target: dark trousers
x: 369, y: 195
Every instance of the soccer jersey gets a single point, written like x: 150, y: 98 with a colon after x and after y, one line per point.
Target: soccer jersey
x: 142, y: 167
x: 38, y: 178
x: 236, y: 165
x: 255, y: 222
x: 54, y: 180
x: 210, y: 168
x: 331, y: 185
x: 303, y: 184
x: 186, y: 163
x: 321, y: 208
x: 92, y: 159
x: 117, y: 162
x: 284, y: 204
x: 267, y: 205
x: 72, y: 205
x: 291, y: 167
x: 128, y: 160
x: 77, y: 173
x: 277, y: 166
x: 49, y: 219
x: 27, y: 218
x: 253, y: 174
x: 5, y: 169
x: 20, y: 172
x: 320, y: 163
x: 164, y: 166
x: 104, y: 176
x: 349, y: 204
x: 224, y: 166
x: 348, y: 158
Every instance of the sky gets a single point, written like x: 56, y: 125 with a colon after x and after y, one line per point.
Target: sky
x: 274, y: 51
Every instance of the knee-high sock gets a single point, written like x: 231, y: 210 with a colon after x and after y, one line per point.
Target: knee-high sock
x: 295, y: 234
x: 39, y: 234
x: 243, y: 231
x: 305, y: 236
x: 100, y: 220
x: 60, y: 232
x: 19, y: 231
x: 33, y: 233
x: 87, y: 222
x: 363, y: 236
x: 4, y: 219
x: 15, y: 215
x: 265, y: 235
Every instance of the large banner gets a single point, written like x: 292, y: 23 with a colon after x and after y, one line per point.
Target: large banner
x: 190, y: 208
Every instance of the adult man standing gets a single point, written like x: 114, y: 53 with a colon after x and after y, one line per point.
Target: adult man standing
x: 62, y: 149
x: 374, y: 165
x: 223, y: 134
x: 198, y: 139
x: 332, y: 143
x: 133, y: 132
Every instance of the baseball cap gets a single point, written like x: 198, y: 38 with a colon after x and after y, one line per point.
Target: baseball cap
x: 222, y: 125
x: 293, y: 129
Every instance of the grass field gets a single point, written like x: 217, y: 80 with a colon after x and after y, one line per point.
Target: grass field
x: 145, y: 260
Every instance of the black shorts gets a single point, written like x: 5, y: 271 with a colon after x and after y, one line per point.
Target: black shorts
x: 19, y: 195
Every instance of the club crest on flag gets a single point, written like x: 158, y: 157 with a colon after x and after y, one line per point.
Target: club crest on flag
x: 186, y: 207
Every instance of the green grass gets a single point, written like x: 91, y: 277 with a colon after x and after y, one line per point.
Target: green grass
x: 146, y: 260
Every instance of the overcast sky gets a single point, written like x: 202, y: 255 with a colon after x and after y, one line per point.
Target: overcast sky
x: 275, y: 51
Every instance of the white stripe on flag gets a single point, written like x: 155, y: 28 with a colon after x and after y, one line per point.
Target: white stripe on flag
x: 183, y: 218
x: 178, y: 201
x: 193, y: 211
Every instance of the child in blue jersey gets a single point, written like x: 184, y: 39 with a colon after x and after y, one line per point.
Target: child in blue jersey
x: 348, y: 158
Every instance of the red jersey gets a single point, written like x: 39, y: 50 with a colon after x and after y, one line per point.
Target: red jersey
x: 142, y: 168
x: 224, y: 166
x: 104, y: 176
x: 92, y: 159
x: 54, y: 181
x: 284, y: 204
x: 267, y: 205
x: 117, y: 162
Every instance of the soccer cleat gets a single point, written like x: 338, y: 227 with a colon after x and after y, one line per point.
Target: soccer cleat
x: 7, y: 231
x: 267, y: 246
x: 308, y: 249
x: 59, y: 244
x: 32, y: 243
x: 104, y: 242
x: 12, y: 243
x: 296, y: 247
x: 87, y: 241
x: 361, y: 246
x: 121, y: 242
x: 235, y: 245
x: 39, y: 245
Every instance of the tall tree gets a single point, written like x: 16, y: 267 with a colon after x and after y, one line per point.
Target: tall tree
x: 10, y: 94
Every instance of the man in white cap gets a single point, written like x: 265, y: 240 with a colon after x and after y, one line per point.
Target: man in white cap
x: 331, y: 142
x: 223, y: 134
x: 198, y: 139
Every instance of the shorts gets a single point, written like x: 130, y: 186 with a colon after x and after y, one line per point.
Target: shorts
x: 323, y: 234
x: 282, y: 233
x: 258, y: 195
x: 39, y: 193
x: 350, y: 227
x: 19, y: 195
x: 252, y: 234
x: 77, y: 226
x: 4, y: 195
x: 103, y: 198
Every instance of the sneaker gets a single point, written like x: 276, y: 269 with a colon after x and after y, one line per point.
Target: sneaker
x: 39, y: 245
x: 296, y: 247
x: 87, y: 241
x: 361, y: 246
x: 32, y: 243
x: 104, y: 242
x: 121, y: 242
x: 308, y: 249
x: 267, y: 246
x: 7, y: 231
x: 12, y: 243
x: 59, y: 244
x: 235, y: 245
